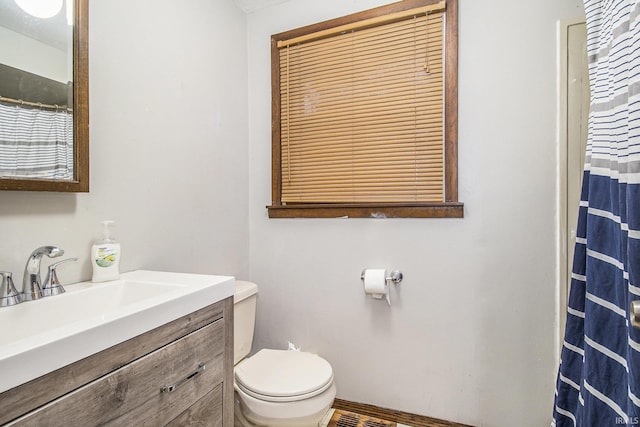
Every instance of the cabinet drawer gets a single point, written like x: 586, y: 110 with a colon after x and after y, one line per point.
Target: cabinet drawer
x: 206, y: 412
x: 132, y: 395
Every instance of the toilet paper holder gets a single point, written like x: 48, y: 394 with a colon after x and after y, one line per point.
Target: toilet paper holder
x: 395, y: 276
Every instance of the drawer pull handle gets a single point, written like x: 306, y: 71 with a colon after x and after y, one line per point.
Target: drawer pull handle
x: 170, y: 388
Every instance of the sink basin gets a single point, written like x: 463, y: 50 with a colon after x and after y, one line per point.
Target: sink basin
x: 43, y: 335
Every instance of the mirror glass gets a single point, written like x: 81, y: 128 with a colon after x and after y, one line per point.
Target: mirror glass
x: 43, y: 95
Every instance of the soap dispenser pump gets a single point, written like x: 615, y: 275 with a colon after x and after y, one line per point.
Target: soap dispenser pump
x: 105, y: 256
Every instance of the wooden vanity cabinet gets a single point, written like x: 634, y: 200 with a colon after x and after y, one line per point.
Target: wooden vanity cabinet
x: 179, y: 374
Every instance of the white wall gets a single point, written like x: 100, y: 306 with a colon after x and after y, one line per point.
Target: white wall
x: 470, y: 335
x: 24, y: 53
x: 169, y: 143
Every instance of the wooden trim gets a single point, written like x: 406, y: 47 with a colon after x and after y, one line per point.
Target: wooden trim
x: 368, y: 210
x: 276, y: 131
x: 81, y: 95
x: 451, y: 103
x: 393, y: 415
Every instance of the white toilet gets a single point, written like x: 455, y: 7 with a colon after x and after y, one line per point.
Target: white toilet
x: 275, y: 388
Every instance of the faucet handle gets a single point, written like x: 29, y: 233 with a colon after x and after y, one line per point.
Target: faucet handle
x: 52, y: 285
x: 8, y: 293
x: 31, y: 283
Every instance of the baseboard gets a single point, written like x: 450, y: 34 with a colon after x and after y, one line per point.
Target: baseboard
x: 393, y: 415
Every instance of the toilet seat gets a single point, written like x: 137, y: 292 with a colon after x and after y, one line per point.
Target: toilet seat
x: 283, y: 375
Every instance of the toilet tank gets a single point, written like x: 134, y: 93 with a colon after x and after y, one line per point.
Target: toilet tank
x: 244, y: 318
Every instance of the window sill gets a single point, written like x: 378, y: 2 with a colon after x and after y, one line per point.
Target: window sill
x: 367, y: 210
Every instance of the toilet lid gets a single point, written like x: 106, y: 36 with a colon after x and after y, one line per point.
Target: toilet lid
x: 283, y: 375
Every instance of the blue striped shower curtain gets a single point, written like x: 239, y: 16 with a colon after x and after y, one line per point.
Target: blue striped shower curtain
x: 598, y: 383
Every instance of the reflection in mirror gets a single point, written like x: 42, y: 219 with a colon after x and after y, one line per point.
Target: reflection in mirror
x: 43, y: 95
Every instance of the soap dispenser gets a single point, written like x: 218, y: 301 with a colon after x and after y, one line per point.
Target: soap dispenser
x: 105, y: 256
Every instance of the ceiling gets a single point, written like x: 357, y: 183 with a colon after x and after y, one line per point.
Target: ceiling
x: 53, y: 31
x: 252, y: 5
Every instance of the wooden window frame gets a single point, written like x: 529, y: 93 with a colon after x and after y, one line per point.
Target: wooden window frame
x: 450, y: 207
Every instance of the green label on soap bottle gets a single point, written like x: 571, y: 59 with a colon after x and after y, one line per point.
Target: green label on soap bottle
x: 106, y: 256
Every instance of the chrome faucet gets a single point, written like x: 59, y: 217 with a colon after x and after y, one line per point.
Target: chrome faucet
x: 31, y: 282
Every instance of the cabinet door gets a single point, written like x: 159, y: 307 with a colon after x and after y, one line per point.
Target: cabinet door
x: 133, y: 396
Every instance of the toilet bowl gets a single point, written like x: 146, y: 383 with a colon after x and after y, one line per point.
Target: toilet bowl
x: 275, y: 388
x: 284, y: 388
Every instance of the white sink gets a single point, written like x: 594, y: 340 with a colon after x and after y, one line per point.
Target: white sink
x: 43, y: 335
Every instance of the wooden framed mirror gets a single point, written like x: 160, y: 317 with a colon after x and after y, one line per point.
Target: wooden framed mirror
x: 31, y: 93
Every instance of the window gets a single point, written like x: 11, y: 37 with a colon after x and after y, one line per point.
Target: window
x: 364, y: 112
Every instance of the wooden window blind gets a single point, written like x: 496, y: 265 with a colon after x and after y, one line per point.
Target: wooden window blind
x: 361, y: 113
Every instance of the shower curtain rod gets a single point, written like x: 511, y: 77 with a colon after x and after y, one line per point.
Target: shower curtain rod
x: 36, y: 104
